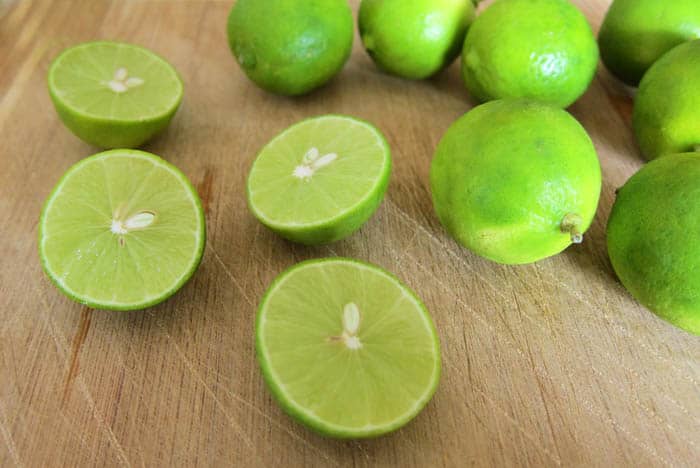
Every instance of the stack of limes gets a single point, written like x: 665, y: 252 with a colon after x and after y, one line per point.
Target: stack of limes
x: 652, y: 230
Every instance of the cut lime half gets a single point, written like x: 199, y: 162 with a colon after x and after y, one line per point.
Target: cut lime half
x: 122, y: 230
x: 346, y: 348
x: 321, y: 179
x: 114, y: 95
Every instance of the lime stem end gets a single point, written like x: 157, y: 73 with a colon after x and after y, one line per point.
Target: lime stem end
x: 571, y: 224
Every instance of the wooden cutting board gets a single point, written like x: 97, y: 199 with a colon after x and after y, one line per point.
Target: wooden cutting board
x: 546, y: 364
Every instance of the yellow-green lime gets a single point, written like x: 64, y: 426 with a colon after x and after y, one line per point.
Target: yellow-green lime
x: 516, y: 181
x: 112, y: 94
x: 635, y: 33
x: 665, y: 117
x: 321, y: 179
x: 654, y: 238
x: 537, y: 49
x: 290, y: 47
x: 346, y: 348
x: 414, y: 38
x: 122, y: 230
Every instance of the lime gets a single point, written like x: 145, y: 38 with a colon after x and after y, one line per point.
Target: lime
x: 114, y: 95
x: 346, y: 348
x: 321, y: 179
x: 516, y: 181
x: 414, y: 38
x: 654, y: 238
x: 122, y: 230
x: 635, y: 33
x: 665, y: 117
x: 290, y: 47
x: 538, y: 49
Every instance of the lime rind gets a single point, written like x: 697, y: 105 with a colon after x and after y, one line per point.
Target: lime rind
x: 307, y: 417
x: 348, y: 219
x: 148, y: 301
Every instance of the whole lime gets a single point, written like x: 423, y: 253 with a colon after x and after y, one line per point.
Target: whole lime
x: 635, y: 33
x: 290, y: 47
x: 665, y: 116
x: 414, y: 38
x: 654, y: 238
x: 538, y: 49
x: 516, y: 181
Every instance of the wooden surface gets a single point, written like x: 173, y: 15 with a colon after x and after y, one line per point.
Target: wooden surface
x: 544, y: 365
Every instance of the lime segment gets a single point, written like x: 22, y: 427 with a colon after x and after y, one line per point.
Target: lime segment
x: 346, y: 348
x: 321, y: 179
x: 113, y: 94
x: 122, y: 230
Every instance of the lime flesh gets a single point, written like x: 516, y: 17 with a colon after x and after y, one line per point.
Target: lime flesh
x: 415, y: 38
x: 114, y: 95
x: 635, y: 33
x: 321, y: 179
x: 346, y: 348
x: 122, y: 230
x: 665, y: 116
x: 654, y: 238
x: 537, y: 49
x: 516, y: 181
x: 290, y: 47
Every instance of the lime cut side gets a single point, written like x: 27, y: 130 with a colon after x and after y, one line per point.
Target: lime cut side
x: 122, y: 230
x: 113, y: 94
x: 346, y: 348
x: 321, y: 179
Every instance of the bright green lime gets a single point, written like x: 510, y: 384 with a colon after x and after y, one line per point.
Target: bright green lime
x: 516, y: 181
x: 414, y: 38
x: 346, y: 348
x: 321, y: 179
x: 636, y: 33
x: 654, y: 238
x: 538, y: 49
x: 666, y: 118
x: 114, y: 95
x: 122, y: 230
x: 290, y: 47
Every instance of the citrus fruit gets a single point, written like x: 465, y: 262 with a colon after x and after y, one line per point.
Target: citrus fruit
x: 665, y: 116
x: 654, y: 238
x: 635, y: 33
x: 346, y: 349
x: 415, y: 38
x: 122, y: 230
x: 114, y: 95
x: 290, y: 47
x: 538, y: 49
x: 321, y: 179
x: 516, y: 181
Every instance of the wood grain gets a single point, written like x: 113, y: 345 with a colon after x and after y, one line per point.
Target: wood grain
x: 551, y: 364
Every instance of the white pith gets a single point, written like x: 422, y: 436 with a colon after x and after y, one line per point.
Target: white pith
x: 122, y: 82
x: 351, y: 325
x: 312, y: 162
x: 138, y: 221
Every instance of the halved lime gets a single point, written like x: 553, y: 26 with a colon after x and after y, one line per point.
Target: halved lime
x: 122, y: 230
x: 321, y: 179
x: 114, y: 95
x: 346, y: 348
